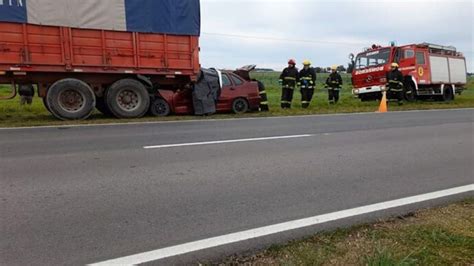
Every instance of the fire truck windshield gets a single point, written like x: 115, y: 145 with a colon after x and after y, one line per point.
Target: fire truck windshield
x: 372, y: 58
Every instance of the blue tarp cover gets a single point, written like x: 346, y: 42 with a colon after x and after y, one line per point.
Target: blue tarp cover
x: 180, y: 17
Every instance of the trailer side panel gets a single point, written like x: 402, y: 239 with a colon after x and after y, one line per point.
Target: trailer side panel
x: 34, y: 48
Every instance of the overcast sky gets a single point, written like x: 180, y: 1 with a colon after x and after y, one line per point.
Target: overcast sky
x: 326, y: 31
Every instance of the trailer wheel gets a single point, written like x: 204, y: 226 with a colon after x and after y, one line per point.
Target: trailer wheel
x: 160, y: 108
x: 410, y: 92
x: 240, y: 106
x: 128, y: 98
x: 102, y: 107
x: 70, y: 99
x: 448, y: 94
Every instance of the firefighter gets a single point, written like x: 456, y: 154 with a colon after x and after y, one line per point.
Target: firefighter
x: 395, y: 84
x: 307, y: 78
x: 263, y: 97
x: 27, y: 92
x: 334, y: 85
x: 289, y: 79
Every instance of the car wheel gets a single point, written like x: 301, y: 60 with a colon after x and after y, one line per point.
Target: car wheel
x: 159, y: 107
x: 70, y: 99
x: 128, y: 98
x: 240, y: 106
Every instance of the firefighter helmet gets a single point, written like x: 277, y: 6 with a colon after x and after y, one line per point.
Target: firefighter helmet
x: 306, y: 63
x: 334, y: 67
x: 395, y: 65
x: 292, y: 62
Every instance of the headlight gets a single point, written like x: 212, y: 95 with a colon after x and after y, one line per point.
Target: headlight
x: 356, y: 91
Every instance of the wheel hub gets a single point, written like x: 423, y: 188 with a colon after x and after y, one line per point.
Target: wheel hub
x: 128, y: 100
x: 71, y: 100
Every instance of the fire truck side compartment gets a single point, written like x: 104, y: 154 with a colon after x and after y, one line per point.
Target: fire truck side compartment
x: 439, y: 69
x: 457, y: 70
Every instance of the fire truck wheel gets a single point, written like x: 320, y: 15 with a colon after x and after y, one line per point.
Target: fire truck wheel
x: 240, y: 106
x: 160, y: 108
x: 102, y: 107
x: 448, y: 94
x: 70, y: 99
x: 410, y: 93
x: 366, y: 98
x: 128, y: 98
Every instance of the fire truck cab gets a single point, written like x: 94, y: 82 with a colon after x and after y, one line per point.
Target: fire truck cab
x: 431, y: 71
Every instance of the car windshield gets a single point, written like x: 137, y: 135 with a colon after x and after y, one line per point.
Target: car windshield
x: 374, y: 58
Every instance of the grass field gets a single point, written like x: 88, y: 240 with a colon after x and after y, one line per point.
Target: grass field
x: 441, y: 236
x: 14, y: 115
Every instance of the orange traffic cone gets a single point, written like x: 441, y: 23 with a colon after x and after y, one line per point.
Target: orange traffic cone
x: 383, y: 103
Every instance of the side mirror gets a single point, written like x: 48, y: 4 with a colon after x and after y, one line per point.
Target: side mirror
x: 351, y: 57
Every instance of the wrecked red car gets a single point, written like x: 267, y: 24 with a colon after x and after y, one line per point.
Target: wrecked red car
x: 238, y: 95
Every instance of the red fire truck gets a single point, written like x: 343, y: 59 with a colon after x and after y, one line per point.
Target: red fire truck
x: 431, y: 71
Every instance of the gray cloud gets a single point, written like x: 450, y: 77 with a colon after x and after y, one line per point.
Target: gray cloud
x: 326, y: 31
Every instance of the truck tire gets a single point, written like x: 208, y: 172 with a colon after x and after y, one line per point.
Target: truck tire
x: 160, y: 108
x: 128, y: 98
x: 240, y: 106
x: 410, y: 92
x: 102, y: 107
x: 448, y: 94
x: 70, y: 99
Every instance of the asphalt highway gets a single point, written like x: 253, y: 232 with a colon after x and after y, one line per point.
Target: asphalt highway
x: 81, y: 195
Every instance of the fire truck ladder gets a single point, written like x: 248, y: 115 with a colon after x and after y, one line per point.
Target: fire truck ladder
x: 440, y: 49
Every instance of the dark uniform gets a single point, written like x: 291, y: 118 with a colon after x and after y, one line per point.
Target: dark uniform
x: 395, y: 85
x: 27, y: 92
x: 263, y: 97
x: 334, y: 85
x: 308, y: 83
x: 289, y: 79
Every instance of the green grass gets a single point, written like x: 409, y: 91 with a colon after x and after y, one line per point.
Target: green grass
x: 441, y: 236
x: 14, y: 115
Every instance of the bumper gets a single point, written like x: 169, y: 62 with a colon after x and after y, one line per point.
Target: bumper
x: 368, y: 90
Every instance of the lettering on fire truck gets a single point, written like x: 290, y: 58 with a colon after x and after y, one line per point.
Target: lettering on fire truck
x: 369, y: 70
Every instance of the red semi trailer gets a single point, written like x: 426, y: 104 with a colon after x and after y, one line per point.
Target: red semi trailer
x: 79, y: 67
x: 431, y: 71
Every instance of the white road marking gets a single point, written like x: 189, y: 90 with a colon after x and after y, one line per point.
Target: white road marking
x: 223, y: 119
x: 226, y: 141
x: 278, y: 228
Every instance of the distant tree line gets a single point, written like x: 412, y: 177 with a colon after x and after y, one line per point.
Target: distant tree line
x: 340, y: 68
